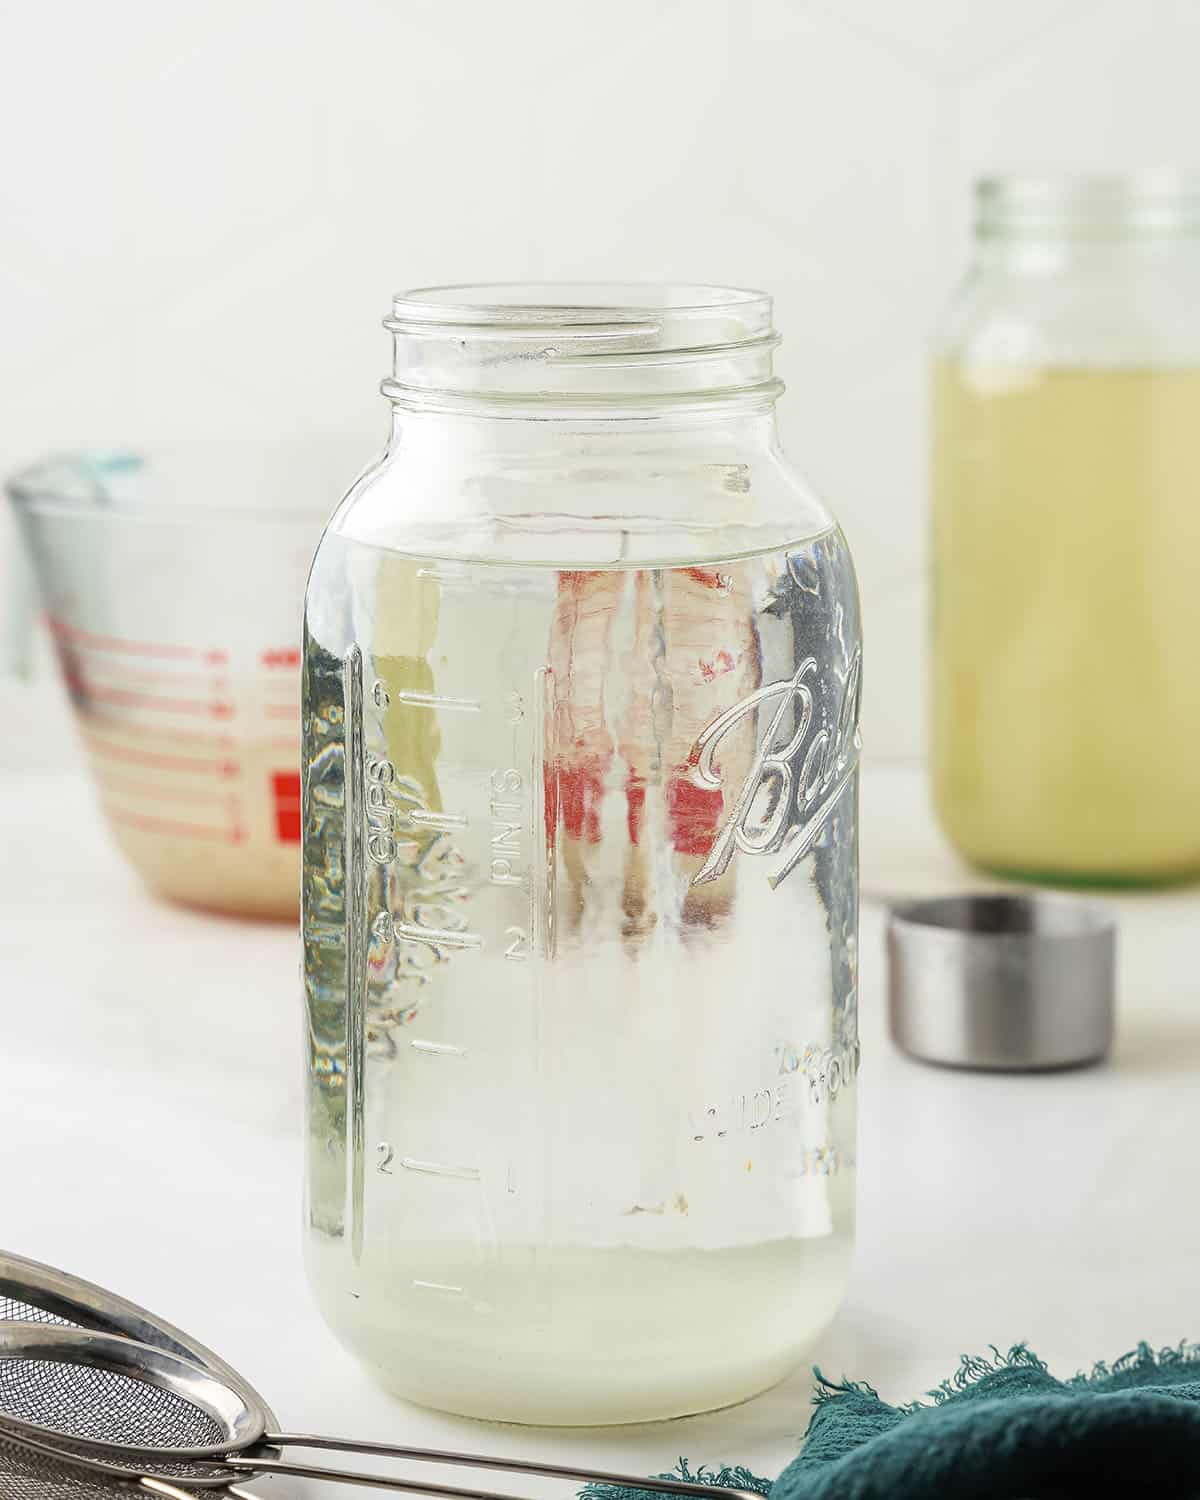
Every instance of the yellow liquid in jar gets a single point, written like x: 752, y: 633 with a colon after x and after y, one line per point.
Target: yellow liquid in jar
x: 1066, y: 648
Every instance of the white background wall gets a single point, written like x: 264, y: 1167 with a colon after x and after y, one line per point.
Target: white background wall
x: 204, y: 208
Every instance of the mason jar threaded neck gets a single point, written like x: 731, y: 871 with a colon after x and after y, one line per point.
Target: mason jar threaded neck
x: 1149, y: 204
x: 517, y: 347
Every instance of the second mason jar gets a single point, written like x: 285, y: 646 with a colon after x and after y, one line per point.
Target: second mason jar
x: 582, y: 679
x: 1066, y: 695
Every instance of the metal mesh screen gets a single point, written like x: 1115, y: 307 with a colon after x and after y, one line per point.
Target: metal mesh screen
x: 14, y: 1311
x: 79, y: 1401
x: 31, y: 1476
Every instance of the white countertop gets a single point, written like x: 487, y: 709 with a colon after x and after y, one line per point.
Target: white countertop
x: 149, y: 1140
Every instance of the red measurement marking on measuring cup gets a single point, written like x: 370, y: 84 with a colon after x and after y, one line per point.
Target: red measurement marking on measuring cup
x: 170, y: 825
x: 158, y: 734
x: 285, y: 786
x: 216, y: 708
x: 280, y: 656
x: 94, y: 676
x: 281, y: 686
x: 115, y: 672
x: 188, y: 763
x: 64, y: 630
x: 151, y: 791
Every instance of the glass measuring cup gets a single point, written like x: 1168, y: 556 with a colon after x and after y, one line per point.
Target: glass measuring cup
x: 174, y: 614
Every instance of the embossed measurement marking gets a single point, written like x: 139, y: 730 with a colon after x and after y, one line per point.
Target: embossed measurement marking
x: 438, y: 700
x: 441, y: 821
x: 439, y: 1049
x: 440, y: 937
x: 440, y: 1169
x: 446, y: 578
x: 439, y: 1286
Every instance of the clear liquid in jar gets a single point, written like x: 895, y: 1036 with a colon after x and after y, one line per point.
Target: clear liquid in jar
x: 580, y: 911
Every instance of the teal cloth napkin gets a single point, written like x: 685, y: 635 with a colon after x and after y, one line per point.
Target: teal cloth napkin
x: 1001, y: 1428
x: 1004, y: 1428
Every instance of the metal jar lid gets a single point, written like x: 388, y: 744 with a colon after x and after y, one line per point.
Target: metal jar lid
x: 1002, y: 981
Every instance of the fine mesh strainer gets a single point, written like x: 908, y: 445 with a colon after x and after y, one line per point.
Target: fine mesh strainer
x: 119, y: 1408
x: 29, y: 1474
x: 37, y: 1293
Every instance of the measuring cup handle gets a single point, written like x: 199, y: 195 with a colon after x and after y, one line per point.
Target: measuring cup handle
x: 16, y: 630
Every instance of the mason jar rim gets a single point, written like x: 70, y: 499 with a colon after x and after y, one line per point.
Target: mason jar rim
x: 597, y: 343
x: 1147, y: 201
x: 546, y: 304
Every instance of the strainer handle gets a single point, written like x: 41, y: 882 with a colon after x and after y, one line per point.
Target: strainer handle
x: 469, y: 1460
x: 168, y: 1491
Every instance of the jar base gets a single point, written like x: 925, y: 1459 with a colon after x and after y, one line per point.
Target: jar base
x: 533, y: 1397
x: 1089, y: 880
x: 603, y: 1337
x: 993, y: 851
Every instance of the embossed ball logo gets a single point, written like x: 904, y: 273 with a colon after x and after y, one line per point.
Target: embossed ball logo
x: 798, y: 773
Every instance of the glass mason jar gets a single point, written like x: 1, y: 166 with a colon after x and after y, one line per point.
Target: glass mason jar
x: 581, y: 677
x: 1066, y: 696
